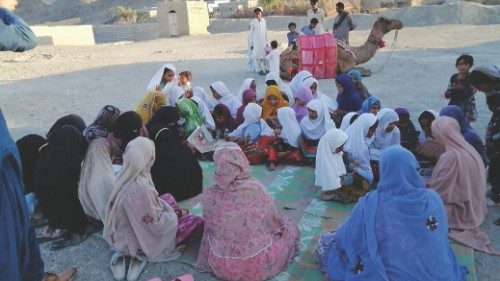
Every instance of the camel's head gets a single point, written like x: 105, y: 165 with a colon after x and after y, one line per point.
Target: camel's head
x: 385, y: 24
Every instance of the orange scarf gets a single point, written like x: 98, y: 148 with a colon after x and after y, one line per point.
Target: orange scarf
x: 269, y: 110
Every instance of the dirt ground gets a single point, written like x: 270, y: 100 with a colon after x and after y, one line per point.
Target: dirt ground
x: 41, y: 85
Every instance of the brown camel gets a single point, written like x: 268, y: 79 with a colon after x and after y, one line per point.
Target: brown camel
x: 349, y: 57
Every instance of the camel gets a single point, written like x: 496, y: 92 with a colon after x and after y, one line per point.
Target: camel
x: 349, y: 57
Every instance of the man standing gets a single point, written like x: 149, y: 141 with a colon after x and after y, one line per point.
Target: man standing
x: 20, y: 258
x: 343, y: 24
x: 319, y: 14
x: 258, y: 41
x: 15, y: 34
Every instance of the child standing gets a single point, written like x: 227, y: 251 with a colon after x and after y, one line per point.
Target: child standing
x: 493, y: 146
x: 273, y: 58
x: 185, y: 78
x: 460, y: 92
x: 292, y: 36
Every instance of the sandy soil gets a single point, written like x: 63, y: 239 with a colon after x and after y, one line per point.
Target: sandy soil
x: 39, y: 86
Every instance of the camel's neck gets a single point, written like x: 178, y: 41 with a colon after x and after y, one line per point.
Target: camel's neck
x: 366, y: 51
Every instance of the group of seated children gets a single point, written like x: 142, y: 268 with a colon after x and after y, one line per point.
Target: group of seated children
x: 126, y: 171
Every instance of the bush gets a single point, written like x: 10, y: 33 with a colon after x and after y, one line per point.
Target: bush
x: 129, y: 15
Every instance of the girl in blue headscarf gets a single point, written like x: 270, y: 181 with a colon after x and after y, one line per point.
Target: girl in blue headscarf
x: 371, y: 105
x: 398, y: 232
x: 356, y: 79
x: 469, y: 134
x: 348, y: 98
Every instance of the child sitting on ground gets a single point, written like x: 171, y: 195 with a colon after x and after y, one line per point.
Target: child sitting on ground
x: 292, y: 36
x: 460, y: 92
x: 185, y: 78
x: 273, y: 58
x: 311, y: 28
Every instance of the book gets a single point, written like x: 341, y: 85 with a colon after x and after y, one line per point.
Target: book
x: 201, y: 139
x: 430, y: 149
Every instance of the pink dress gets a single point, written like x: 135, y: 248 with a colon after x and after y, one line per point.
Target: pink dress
x: 190, y: 226
x: 245, y: 237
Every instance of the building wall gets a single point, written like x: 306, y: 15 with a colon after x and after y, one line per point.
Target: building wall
x: 78, y: 35
x: 126, y: 32
x: 192, y: 17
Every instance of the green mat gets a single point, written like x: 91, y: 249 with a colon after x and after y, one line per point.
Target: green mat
x: 295, y: 195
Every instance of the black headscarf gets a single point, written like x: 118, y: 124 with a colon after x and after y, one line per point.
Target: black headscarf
x: 167, y: 116
x: 56, y: 179
x: 72, y: 120
x: 103, y: 124
x: 175, y: 170
x: 127, y: 127
x: 28, y: 147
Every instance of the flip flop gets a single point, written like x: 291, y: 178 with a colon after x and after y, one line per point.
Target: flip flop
x: 135, y: 268
x: 117, y: 264
x: 187, y: 277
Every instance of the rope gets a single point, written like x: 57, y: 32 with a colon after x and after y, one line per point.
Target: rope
x: 391, y: 52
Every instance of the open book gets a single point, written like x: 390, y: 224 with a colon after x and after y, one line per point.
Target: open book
x: 202, y: 140
x: 430, y: 149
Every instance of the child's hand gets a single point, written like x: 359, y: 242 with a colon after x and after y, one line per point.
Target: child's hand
x: 158, y: 88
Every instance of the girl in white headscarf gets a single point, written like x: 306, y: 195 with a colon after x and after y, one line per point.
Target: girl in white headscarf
x: 347, y: 120
x: 253, y: 126
x: 425, y: 119
x: 249, y: 83
x: 297, y: 80
x: 221, y: 93
x: 163, y: 79
x: 285, y: 146
x: 356, y: 183
x: 312, y: 83
x: 284, y: 88
x: 387, y: 133
x: 174, y: 94
x: 203, y: 95
x: 314, y: 126
x: 329, y: 163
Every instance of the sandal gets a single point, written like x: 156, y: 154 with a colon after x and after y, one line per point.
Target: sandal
x: 135, y: 268
x: 66, y: 241
x: 49, y: 234
x: 117, y: 264
x: 187, y: 277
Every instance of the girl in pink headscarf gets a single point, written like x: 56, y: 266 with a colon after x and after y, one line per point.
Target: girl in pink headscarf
x: 248, y: 97
x: 302, y: 97
x: 459, y: 177
x: 245, y: 237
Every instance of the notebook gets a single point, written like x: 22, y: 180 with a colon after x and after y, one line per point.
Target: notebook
x: 201, y: 139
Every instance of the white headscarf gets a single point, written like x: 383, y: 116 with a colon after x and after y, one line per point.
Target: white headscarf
x: 208, y: 99
x: 156, y: 80
x: 346, y: 121
x: 245, y: 86
x: 356, y: 144
x: 208, y: 120
x: 290, y: 128
x: 329, y: 165
x: 297, y: 80
x: 383, y: 139
x: 283, y: 87
x: 315, y: 129
x: 252, y: 114
x: 227, y: 98
x: 174, y: 93
x: 330, y: 103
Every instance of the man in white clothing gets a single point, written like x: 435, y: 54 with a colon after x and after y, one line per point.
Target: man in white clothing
x: 319, y: 14
x: 258, y: 40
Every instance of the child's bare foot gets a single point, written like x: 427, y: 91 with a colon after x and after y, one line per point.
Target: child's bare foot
x: 327, y: 195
